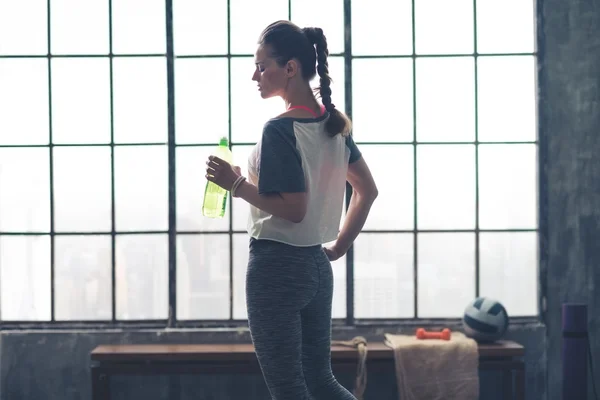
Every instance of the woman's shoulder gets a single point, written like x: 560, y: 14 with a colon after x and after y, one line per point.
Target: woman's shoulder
x: 277, y: 127
x: 296, y: 113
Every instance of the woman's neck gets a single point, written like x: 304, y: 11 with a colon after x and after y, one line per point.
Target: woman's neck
x: 303, y: 97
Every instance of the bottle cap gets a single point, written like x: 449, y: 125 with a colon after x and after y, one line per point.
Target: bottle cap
x: 224, y: 142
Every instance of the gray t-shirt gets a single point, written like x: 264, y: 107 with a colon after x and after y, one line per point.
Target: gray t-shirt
x: 297, y: 155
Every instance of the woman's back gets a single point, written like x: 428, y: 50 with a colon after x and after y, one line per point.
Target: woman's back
x: 295, y: 155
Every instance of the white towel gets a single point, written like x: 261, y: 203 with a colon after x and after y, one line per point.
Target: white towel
x: 433, y: 369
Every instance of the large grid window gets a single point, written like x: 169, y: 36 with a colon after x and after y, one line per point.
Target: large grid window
x: 109, y: 109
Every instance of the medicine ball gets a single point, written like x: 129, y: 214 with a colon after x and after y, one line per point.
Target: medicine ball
x: 485, y: 320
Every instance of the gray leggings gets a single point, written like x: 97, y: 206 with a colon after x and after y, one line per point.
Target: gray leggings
x: 289, y: 291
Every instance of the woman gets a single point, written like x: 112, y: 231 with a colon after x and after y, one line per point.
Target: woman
x: 296, y: 180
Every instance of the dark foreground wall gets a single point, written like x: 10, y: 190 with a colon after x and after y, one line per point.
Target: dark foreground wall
x: 570, y: 133
x: 55, y: 366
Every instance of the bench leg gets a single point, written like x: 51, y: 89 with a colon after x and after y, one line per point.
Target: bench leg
x: 507, y: 384
x: 100, y: 384
x: 520, y: 383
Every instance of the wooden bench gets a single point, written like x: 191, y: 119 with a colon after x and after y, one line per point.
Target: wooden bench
x: 109, y: 360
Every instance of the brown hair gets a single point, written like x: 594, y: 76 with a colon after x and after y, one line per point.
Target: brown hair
x: 309, y: 46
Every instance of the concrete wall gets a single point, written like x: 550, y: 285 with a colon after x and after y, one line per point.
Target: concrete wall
x: 570, y: 133
x: 55, y: 366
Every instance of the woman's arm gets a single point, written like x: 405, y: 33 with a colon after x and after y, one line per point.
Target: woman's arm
x: 289, y: 206
x: 364, y: 193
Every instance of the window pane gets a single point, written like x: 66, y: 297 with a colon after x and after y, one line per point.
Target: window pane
x: 377, y: 117
x: 142, y: 277
x: 24, y: 27
x: 507, y: 99
x: 25, y: 284
x: 139, y: 26
x: 249, y: 111
x: 203, y: 276
x: 508, y: 186
x: 446, y: 274
x: 140, y: 100
x: 83, y: 273
x: 493, y: 17
x: 445, y: 99
x: 191, y: 184
x: 24, y: 101
x: 240, y: 267
x: 444, y: 27
x: 394, y: 208
x: 446, y: 186
x: 200, y: 27
x: 391, y: 34
x: 508, y: 270
x: 241, y: 208
x: 80, y: 100
x: 383, y: 276
x: 247, y: 22
x: 327, y: 15
x: 24, y: 190
x: 141, y: 188
x: 82, y: 189
x: 202, y: 111
x: 79, y: 27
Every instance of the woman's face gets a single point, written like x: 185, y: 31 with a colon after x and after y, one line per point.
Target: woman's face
x: 270, y: 77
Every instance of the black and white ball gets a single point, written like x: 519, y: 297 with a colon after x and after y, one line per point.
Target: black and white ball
x: 485, y: 320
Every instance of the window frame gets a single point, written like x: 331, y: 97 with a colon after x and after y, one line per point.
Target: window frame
x: 350, y: 320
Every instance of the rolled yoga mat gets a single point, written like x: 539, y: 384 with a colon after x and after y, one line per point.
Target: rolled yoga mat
x: 574, y: 351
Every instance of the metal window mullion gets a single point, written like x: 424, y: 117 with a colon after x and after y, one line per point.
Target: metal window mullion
x: 542, y: 158
x: 225, y: 232
x: 229, y: 136
x: 476, y: 113
x: 356, y: 56
x: 235, y: 144
x: 444, y: 55
x: 172, y: 318
x: 415, y: 185
x: 51, y: 167
x: 348, y: 102
x: 113, y: 250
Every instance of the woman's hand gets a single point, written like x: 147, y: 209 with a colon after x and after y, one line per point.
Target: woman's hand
x: 333, y: 253
x: 221, y: 172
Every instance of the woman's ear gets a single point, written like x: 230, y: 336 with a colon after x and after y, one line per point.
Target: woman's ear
x: 291, y: 68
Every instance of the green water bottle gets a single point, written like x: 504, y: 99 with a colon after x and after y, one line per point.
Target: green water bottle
x: 215, y: 197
